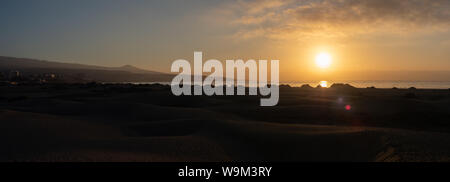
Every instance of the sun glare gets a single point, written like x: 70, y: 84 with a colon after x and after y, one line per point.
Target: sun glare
x: 323, y: 84
x: 323, y: 60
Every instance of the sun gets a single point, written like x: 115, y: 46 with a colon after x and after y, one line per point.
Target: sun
x: 323, y: 60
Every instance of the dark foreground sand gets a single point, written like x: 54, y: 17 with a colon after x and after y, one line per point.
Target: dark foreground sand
x: 146, y: 123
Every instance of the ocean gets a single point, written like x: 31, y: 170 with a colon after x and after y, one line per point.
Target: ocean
x: 360, y: 84
x: 379, y: 84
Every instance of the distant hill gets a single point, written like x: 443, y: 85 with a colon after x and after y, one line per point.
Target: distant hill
x: 80, y: 72
x: 19, y: 63
x: 133, y: 69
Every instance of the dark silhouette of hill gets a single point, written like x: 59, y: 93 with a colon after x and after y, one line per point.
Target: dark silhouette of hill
x: 133, y: 69
x: 342, y: 86
x: 80, y: 72
x: 306, y: 86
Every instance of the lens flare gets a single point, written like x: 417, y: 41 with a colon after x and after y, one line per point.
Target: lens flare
x: 348, y: 107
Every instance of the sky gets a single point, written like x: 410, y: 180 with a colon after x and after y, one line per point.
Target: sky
x: 367, y: 39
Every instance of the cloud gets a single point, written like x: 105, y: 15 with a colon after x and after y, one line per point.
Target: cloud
x: 292, y: 19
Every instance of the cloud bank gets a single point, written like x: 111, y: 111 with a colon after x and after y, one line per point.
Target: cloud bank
x: 290, y: 19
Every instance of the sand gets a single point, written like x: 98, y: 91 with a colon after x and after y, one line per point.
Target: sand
x: 146, y: 123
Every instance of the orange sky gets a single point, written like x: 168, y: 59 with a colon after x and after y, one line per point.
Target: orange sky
x: 367, y: 39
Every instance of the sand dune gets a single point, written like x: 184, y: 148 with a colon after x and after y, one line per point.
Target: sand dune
x: 141, y: 123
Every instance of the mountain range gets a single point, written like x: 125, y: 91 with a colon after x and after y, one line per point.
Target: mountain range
x: 81, y: 73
